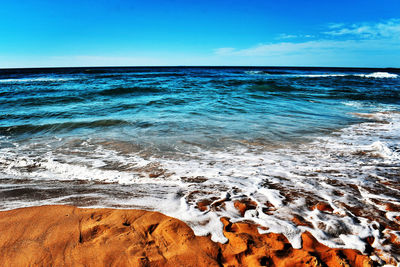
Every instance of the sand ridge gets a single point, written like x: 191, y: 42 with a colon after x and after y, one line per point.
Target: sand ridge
x: 70, y: 236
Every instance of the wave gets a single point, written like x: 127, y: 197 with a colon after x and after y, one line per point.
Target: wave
x: 95, y: 71
x: 385, y: 95
x: 39, y: 79
x: 60, y: 127
x: 42, y: 100
x: 157, y: 74
x: 272, y: 72
x: 259, y: 85
x: 270, y: 86
x: 322, y: 75
x: 376, y: 75
x: 128, y: 90
x: 379, y: 75
x: 12, y: 97
x: 170, y: 101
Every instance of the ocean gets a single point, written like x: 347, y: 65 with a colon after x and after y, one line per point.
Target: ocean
x: 192, y: 141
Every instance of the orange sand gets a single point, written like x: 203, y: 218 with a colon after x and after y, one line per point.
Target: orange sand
x: 70, y: 236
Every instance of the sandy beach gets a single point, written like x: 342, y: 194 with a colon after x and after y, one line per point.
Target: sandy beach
x: 71, y: 236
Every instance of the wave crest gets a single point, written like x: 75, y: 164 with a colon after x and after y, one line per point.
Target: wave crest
x: 127, y: 90
x: 58, y: 127
x: 380, y: 75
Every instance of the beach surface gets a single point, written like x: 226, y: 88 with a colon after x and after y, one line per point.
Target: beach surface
x: 299, y: 152
x: 71, y: 236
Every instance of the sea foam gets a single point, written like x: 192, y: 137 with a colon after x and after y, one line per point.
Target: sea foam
x: 380, y: 75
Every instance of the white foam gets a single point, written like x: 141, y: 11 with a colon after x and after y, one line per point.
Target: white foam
x: 253, y: 72
x: 321, y: 170
x: 353, y: 104
x: 384, y: 151
x: 373, y: 75
x: 273, y: 196
x: 376, y: 75
x: 353, y: 242
x: 380, y: 75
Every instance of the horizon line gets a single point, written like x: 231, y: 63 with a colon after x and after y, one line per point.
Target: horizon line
x: 193, y: 66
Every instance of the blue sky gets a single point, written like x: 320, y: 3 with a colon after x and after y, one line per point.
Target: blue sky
x: 174, y: 32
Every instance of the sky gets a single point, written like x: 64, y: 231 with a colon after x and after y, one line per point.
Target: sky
x: 64, y: 33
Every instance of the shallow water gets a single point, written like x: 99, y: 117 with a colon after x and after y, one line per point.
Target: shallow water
x: 168, y: 139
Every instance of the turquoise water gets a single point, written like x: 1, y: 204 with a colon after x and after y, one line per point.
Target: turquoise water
x: 167, y: 138
x: 165, y: 106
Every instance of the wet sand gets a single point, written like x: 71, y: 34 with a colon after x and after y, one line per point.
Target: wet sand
x: 71, y: 236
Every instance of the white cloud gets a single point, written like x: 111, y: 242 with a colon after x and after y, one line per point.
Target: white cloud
x: 386, y: 29
x: 272, y: 49
x: 335, y: 25
x: 224, y: 50
x: 293, y: 36
x: 287, y: 36
x: 342, y: 46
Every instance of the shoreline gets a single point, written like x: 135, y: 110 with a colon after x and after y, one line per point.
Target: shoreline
x: 56, y: 235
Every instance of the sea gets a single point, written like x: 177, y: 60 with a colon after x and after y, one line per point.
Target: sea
x: 192, y: 142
